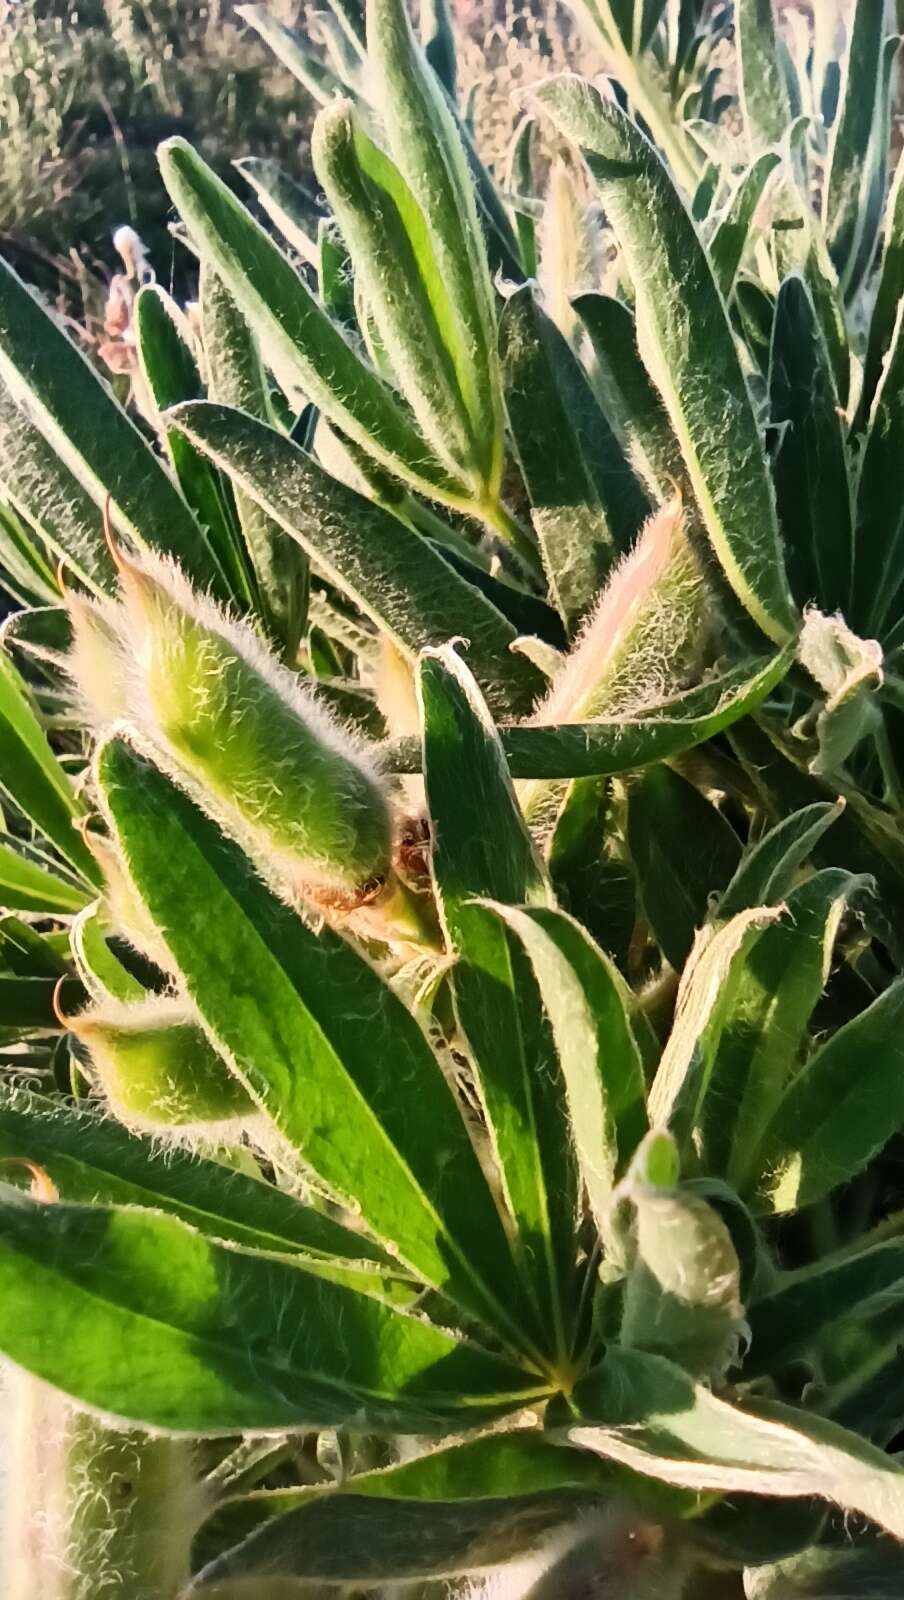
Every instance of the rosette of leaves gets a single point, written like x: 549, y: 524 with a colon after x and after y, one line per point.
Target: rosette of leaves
x: 502, y: 1156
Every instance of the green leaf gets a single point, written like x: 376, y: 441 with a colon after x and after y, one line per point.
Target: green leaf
x: 687, y: 344
x: 591, y: 878
x: 100, y: 970
x: 763, y: 91
x: 879, y: 538
x: 643, y: 1411
x: 89, y: 1158
x: 295, y: 212
x: 519, y: 184
x: 875, y: 177
x: 888, y: 294
x: 33, y: 778
x: 62, y: 396
x: 27, y: 575
x: 304, y: 348
x: 142, y: 1317
x: 290, y: 47
x: 49, y: 497
x: 426, y: 146
x: 766, y: 1024
x: 844, y: 198
x: 749, y: 1530
x: 396, y: 576
x: 29, y: 883
x: 732, y: 235
x: 397, y: 271
x: 171, y: 374
x: 797, y: 1310
x: 799, y: 245
x: 589, y: 1007
x: 28, y: 953
x: 769, y: 868
x: 683, y: 851
x: 26, y: 1005
x: 624, y: 744
x: 438, y: 37
x: 839, y: 1111
x: 708, y: 986
x: 810, y: 468
x: 482, y: 850
x: 504, y: 1467
x: 311, y: 1031
x: 867, y: 1570
x: 587, y: 505
x: 236, y: 378
x: 626, y: 393
x: 353, y: 1540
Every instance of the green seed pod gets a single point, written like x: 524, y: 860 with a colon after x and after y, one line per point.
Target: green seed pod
x: 157, y: 1068
x: 301, y: 790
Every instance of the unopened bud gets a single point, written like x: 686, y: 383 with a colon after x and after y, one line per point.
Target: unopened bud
x: 157, y: 1068
x: 127, y: 911
x: 645, y: 634
x: 644, y: 639
x: 96, y: 663
x: 301, y: 788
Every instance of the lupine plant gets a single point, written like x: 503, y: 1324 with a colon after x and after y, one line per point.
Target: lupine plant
x: 452, y: 1051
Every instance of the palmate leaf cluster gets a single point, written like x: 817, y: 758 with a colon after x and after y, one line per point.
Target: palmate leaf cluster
x: 450, y: 995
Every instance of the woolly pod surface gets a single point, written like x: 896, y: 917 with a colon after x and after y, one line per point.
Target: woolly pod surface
x: 157, y: 1069
x: 240, y: 725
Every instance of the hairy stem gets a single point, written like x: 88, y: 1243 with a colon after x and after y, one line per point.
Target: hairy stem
x: 90, y: 1512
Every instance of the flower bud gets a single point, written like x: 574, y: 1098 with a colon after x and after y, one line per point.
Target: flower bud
x: 646, y: 634
x: 644, y: 639
x: 127, y: 910
x: 157, y: 1068
x: 297, y: 785
x: 96, y: 663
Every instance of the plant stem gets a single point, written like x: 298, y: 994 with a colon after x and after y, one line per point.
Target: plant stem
x: 501, y: 520
x: 90, y: 1512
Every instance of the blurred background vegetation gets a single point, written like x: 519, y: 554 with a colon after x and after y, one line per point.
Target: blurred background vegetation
x: 88, y: 88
